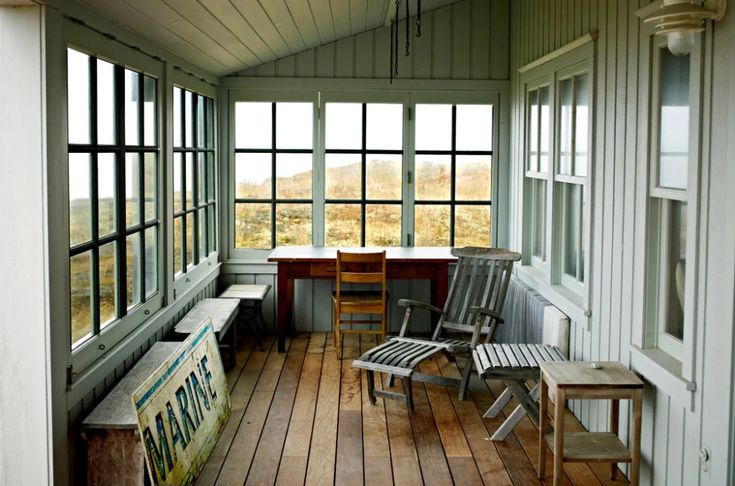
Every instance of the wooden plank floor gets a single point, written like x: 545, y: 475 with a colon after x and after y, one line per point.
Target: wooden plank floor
x: 304, y: 417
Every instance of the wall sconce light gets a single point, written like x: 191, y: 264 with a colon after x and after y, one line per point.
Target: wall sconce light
x: 681, y: 20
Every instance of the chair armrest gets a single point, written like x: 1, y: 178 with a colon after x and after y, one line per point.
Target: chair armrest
x: 488, y: 312
x: 419, y: 305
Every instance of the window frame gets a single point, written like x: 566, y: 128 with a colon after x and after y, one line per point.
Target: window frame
x: 574, y: 297
x: 658, y: 206
x: 199, y: 268
x: 97, y: 345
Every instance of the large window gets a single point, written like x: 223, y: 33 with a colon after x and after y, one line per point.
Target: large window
x: 557, y: 162
x: 195, y: 217
x: 670, y: 158
x: 273, y: 174
x: 453, y: 174
x: 383, y: 170
x: 363, y: 164
x: 114, y: 225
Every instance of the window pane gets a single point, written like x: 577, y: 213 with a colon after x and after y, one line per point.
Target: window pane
x: 383, y: 176
x: 294, y: 125
x: 433, y: 177
x: 674, y: 120
x: 344, y: 126
x: 200, y: 121
x: 384, y: 130
x: 581, y: 130
x: 253, y: 176
x: 105, y: 102
x: 572, y: 208
x: 293, y: 224
x: 475, y: 127
x: 178, y: 182
x: 107, y: 215
x: 202, y: 234
x: 343, y: 176
x: 132, y: 117
x: 565, y: 126
x: 80, y: 274
x: 211, y: 177
x: 151, y: 260
x: 80, y: 205
x: 149, y: 111
x: 178, y: 244
x: 189, y: 180
x: 132, y: 189
x: 433, y: 127
x: 133, y: 268
x: 108, y: 283
x: 545, y: 129
x: 293, y: 176
x: 253, y: 225
x: 178, y: 141
x: 78, y: 96
x: 149, y: 186
x: 539, y: 218
x: 432, y: 225
x: 253, y: 125
x: 210, y: 122
x: 202, y: 179
x: 189, y: 239
x: 472, y: 225
x: 533, y: 130
x: 383, y: 225
x: 189, y: 118
x: 473, y: 178
x: 676, y: 271
x: 342, y: 224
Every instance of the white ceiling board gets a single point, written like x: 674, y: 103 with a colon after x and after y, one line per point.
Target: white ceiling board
x: 229, y: 36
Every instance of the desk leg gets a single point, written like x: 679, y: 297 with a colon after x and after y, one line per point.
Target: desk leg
x: 543, y: 420
x: 285, y: 302
x: 439, y: 285
x: 614, y: 419
x: 559, y: 435
x: 635, y: 444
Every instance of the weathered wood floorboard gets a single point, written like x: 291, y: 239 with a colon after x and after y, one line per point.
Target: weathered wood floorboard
x: 304, y: 417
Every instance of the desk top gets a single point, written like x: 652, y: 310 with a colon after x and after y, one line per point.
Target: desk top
x: 581, y: 374
x: 326, y: 254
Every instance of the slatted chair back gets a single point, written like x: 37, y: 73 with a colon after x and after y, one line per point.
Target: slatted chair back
x: 361, y: 268
x: 481, y: 279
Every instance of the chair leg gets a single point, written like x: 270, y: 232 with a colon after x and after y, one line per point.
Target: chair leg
x: 466, y: 375
x: 408, y: 390
x: 371, y: 385
x: 337, y: 340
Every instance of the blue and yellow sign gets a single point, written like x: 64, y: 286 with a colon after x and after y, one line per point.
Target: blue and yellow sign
x: 182, y: 409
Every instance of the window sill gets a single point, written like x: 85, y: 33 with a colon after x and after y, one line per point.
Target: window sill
x: 569, y: 302
x: 664, y: 372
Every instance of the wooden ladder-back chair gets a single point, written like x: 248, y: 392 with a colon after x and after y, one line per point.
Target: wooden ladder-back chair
x: 473, y: 307
x: 359, y: 269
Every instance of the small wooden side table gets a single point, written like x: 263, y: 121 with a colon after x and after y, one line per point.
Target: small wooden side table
x: 579, y: 379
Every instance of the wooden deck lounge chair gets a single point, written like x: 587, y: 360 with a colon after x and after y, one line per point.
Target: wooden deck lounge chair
x: 473, y: 306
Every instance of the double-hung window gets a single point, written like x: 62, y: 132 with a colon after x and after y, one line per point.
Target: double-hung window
x: 557, y: 163
x: 114, y: 222
x: 194, y: 179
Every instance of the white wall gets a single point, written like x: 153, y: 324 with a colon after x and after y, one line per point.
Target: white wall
x: 676, y: 422
x: 24, y: 375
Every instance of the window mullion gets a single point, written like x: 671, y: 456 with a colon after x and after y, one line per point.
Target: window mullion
x: 273, y: 175
x: 453, y: 176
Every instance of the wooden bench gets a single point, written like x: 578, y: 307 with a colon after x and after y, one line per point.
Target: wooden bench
x: 115, y: 453
x: 251, y: 297
x: 514, y: 364
x: 222, y: 312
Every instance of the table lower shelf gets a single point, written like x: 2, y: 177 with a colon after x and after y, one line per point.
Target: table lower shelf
x: 591, y: 447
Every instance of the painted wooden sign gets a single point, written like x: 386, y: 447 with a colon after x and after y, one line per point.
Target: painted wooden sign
x: 182, y: 409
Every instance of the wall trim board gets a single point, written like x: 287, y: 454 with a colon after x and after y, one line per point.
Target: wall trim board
x: 249, y: 267
x: 94, y: 374
x: 347, y: 84
x: 587, y: 38
x: 664, y: 373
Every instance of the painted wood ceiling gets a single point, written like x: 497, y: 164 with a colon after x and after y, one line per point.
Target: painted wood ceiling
x: 228, y: 36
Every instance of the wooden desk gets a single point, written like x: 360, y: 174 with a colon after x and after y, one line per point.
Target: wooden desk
x: 309, y: 262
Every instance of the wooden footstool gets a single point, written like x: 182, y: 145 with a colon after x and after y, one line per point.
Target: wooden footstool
x: 251, y: 297
x: 579, y: 379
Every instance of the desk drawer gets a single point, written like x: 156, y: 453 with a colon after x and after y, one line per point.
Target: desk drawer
x: 323, y: 270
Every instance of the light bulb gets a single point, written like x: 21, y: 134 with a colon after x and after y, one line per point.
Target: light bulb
x: 680, y: 42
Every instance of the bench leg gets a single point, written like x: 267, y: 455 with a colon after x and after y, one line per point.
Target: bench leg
x: 498, y: 405
x: 408, y: 390
x: 371, y: 385
x: 233, y: 346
